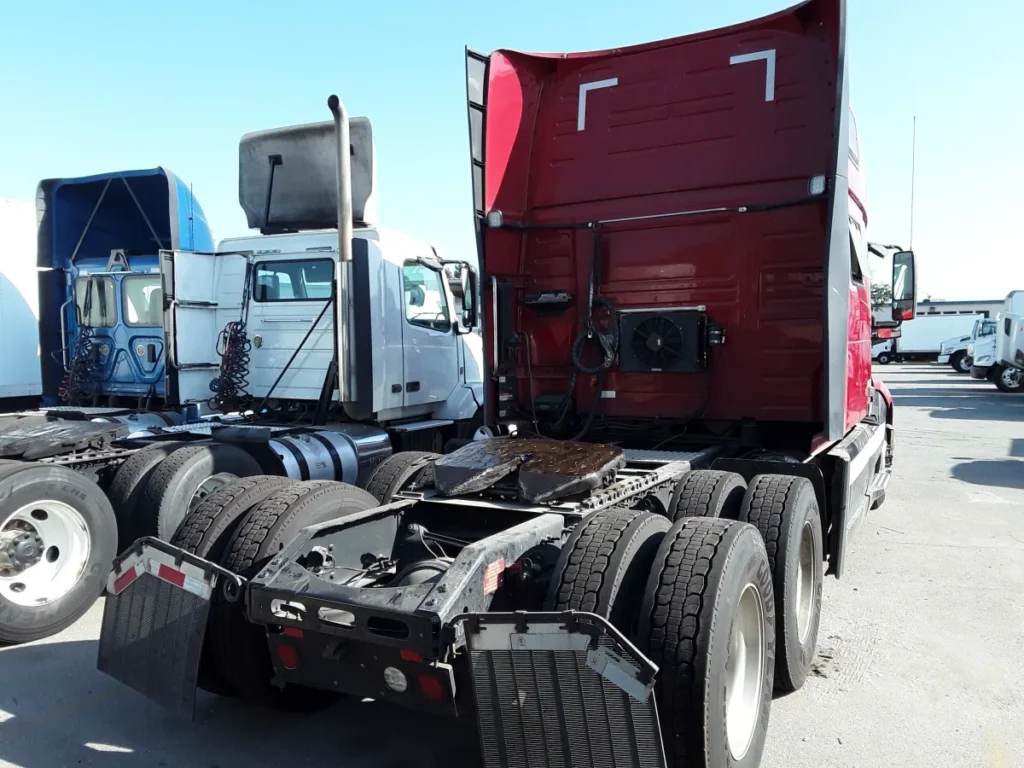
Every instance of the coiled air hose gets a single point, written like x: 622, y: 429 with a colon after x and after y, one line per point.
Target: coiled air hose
x: 233, y: 346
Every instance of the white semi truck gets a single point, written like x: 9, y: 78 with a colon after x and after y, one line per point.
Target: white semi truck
x: 325, y: 349
x: 1010, y: 344
x: 955, y: 351
x: 20, y: 381
x: 988, y: 352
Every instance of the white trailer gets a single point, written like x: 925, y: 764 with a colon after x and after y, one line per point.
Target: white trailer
x: 19, y: 304
x: 922, y: 337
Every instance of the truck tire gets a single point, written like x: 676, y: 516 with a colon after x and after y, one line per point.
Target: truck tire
x: 707, y: 493
x: 709, y: 592
x: 130, y: 481
x: 205, y: 532
x: 884, y: 358
x: 183, y: 479
x: 58, y: 534
x: 1007, y: 379
x: 604, y: 564
x: 960, y: 363
x: 239, y: 649
x: 784, y: 510
x: 397, y: 471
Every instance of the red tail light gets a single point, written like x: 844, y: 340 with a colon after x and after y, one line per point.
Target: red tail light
x: 288, y: 655
x: 410, y: 656
x: 431, y: 687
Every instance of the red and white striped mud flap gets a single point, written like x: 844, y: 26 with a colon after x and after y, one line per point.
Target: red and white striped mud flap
x: 154, y: 622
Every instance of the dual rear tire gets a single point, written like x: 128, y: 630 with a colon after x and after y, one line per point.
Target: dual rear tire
x: 156, y: 488
x: 241, y: 526
x: 784, y: 510
x: 728, y: 609
x: 696, y: 597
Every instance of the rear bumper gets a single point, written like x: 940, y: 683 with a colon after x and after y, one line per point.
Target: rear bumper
x: 566, y: 681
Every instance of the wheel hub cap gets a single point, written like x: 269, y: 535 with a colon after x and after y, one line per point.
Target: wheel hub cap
x: 805, y: 584
x: 208, y: 486
x: 44, y: 548
x: 19, y: 549
x: 744, y: 672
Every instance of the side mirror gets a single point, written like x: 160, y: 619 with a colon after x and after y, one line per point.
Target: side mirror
x: 904, y: 286
x: 467, y: 277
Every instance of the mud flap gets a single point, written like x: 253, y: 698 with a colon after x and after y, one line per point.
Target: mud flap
x: 154, y: 622
x: 559, y: 690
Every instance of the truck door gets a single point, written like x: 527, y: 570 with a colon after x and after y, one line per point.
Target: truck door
x: 431, y: 357
x: 289, y: 294
x: 123, y: 309
x: 202, y: 293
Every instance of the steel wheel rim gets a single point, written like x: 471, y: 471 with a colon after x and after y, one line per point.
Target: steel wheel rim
x: 744, y: 672
x: 65, y: 548
x: 805, y: 584
x: 963, y: 365
x: 1009, y: 377
x: 210, y: 485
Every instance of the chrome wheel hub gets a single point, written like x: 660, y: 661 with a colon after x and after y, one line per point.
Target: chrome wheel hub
x: 744, y: 672
x: 44, y: 548
x: 208, y: 486
x: 805, y: 584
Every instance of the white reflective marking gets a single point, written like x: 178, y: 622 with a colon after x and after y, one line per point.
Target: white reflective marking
x: 5, y: 716
x: 767, y: 56
x: 608, y: 394
x: 581, y: 114
x: 108, y: 748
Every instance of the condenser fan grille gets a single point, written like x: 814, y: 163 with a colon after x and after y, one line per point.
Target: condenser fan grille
x: 662, y: 342
x: 658, y: 343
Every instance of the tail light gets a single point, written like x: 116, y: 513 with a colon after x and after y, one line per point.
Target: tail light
x: 288, y: 655
x: 430, y: 687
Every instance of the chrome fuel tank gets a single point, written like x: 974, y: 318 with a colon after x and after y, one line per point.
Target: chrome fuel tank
x: 345, y: 452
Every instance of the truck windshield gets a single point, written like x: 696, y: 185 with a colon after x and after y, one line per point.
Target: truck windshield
x: 143, y: 300
x: 95, y: 302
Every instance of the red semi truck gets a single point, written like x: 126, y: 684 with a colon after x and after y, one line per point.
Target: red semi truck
x: 682, y: 430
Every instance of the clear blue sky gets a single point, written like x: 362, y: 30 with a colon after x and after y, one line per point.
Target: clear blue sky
x: 107, y: 85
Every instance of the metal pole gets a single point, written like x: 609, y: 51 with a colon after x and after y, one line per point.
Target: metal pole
x: 343, y: 304
x: 913, y: 169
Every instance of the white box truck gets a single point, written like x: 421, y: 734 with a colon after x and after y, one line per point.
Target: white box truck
x: 20, y: 380
x: 922, y: 337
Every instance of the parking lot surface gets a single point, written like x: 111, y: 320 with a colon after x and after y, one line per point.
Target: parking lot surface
x: 920, y: 663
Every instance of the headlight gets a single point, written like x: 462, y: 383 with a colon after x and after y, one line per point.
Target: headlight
x: 983, y: 361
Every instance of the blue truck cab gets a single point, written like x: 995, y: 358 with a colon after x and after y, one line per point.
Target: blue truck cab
x: 101, y: 300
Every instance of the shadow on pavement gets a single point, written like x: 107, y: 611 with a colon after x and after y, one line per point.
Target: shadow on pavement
x: 1001, y: 473
x: 57, y: 709
x: 962, y: 399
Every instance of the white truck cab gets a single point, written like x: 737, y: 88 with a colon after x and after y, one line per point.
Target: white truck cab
x: 956, y: 351
x: 1009, y: 335
x: 993, y: 354
x: 362, y: 336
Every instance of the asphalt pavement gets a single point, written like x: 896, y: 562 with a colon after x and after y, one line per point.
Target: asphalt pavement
x: 920, y: 663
